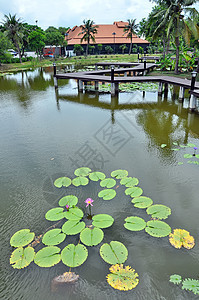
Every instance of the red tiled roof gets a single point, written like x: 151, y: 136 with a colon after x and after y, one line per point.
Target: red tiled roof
x: 104, y: 35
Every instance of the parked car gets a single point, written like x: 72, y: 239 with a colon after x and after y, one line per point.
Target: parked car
x: 13, y: 52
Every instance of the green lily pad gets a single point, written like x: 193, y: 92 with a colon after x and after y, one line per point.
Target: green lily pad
x: 55, y: 214
x: 174, y: 143
x: 62, y: 181
x: 70, y: 200
x: 114, y: 253
x: 193, y: 162
x: 74, y: 213
x: 108, y: 182
x: 163, y: 145
x: 102, y: 221
x: 47, y: 257
x: 191, y: 285
x: 183, y: 146
x: 53, y: 237
x: 142, y: 202
x: 134, y: 223
x: 176, y: 279
x: 21, y: 258
x: 180, y: 163
x: 159, y: 211
x: 129, y: 181
x: 82, y: 171
x: 134, y: 191
x: 175, y: 149
x: 188, y: 155
x: 95, y: 176
x: 191, y: 145
x: 22, y: 238
x: 119, y: 174
x: 107, y: 194
x: 158, y: 228
x: 73, y: 227
x: 74, y: 256
x: 91, y: 236
x: 81, y: 180
x: 197, y: 155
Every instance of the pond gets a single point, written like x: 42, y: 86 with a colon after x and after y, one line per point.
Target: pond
x: 47, y: 134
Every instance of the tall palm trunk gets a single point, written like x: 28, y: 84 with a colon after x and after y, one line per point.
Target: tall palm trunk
x: 18, y: 49
x: 177, y: 42
x: 130, y: 49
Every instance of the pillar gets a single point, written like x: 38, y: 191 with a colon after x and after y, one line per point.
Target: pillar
x: 96, y: 85
x: 192, y: 103
x: 160, y: 88
x: 55, y: 82
x: 181, y: 94
x: 114, y: 88
x: 80, y: 85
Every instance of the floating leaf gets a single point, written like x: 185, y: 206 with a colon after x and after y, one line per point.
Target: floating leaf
x: 193, y: 162
x: 134, y: 223
x: 191, y: 145
x: 163, y: 145
x: 197, y: 155
x: 21, y: 258
x: 74, y: 213
x: 22, y: 238
x: 53, y: 237
x: 95, y: 176
x: 108, y: 182
x: 159, y: 211
x: 102, y: 220
x: 175, y: 149
x: 47, y: 257
x: 157, y: 228
x: 119, y: 174
x: 174, y: 143
x: 176, y: 279
x: 80, y: 181
x: 107, y: 194
x: 181, y: 238
x: 183, y: 146
x: 142, y: 202
x: 122, y: 278
x: 74, y: 256
x: 82, y: 171
x: 55, y: 214
x: 188, y: 155
x: 191, y: 285
x: 180, y: 163
x: 70, y: 200
x: 114, y: 253
x: 62, y: 181
x: 134, y: 191
x: 129, y: 181
x: 91, y: 236
x: 73, y: 227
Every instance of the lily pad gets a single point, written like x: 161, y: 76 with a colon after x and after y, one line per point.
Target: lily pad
x: 159, y: 211
x: 157, y: 228
x: 55, y: 214
x: 82, y: 171
x: 142, y: 202
x: 114, y: 253
x: 21, y: 258
x: 163, y: 145
x: 73, y: 227
x: 119, y: 174
x: 191, y: 285
x: 129, y: 181
x: 108, y: 182
x: 70, y: 200
x: 134, y: 191
x: 62, y: 181
x: 102, y: 221
x: 197, y: 155
x: 176, y: 279
x: 91, y: 236
x: 174, y: 143
x: 95, y: 176
x: 191, y: 145
x: 107, y: 194
x: 175, y: 149
x: 53, y: 237
x: 74, y: 213
x: 47, y: 257
x: 188, y: 155
x: 22, y: 238
x: 134, y: 223
x: 181, y: 238
x: 81, y: 180
x: 122, y: 278
x: 74, y: 256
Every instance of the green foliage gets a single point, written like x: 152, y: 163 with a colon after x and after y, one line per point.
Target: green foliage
x: 108, y: 182
x: 188, y: 155
x: 157, y: 228
x: 159, y: 211
x: 102, y: 221
x: 109, y: 49
x: 134, y: 223
x: 22, y: 238
x: 21, y: 258
x: 62, y: 181
x: 95, y: 176
x: 129, y: 181
x: 55, y: 214
x: 37, y: 40
x: 142, y: 202
x: 70, y: 200
x: 81, y: 180
x: 107, y: 194
x: 78, y: 49
x: 191, y: 285
x: 134, y: 191
x: 176, y: 279
x: 74, y: 256
x: 114, y: 253
x: 53, y: 237
x: 91, y: 236
x: 82, y: 171
x: 119, y: 174
x: 73, y: 227
x: 74, y: 213
x: 47, y: 257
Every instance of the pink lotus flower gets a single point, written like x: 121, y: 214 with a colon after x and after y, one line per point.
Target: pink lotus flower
x: 67, y: 207
x: 89, y: 202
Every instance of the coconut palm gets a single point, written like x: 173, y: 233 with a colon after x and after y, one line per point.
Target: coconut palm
x: 88, y: 30
x: 130, y: 29
x: 14, y: 29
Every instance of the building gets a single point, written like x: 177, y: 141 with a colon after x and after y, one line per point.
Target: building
x: 108, y: 35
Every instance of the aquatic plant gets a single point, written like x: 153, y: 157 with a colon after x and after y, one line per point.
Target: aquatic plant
x: 181, y: 238
x: 188, y: 284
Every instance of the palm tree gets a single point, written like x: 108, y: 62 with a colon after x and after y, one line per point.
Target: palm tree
x: 174, y: 21
x: 88, y: 30
x: 130, y: 29
x: 13, y: 28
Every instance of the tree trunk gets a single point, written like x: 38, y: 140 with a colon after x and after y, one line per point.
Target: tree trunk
x: 130, y: 49
x: 164, y: 47
x: 177, y: 42
x: 19, y: 52
x: 168, y: 45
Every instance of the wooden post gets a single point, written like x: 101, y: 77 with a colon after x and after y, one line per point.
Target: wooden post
x: 55, y: 82
x: 181, y: 94
x: 192, y: 103
x: 160, y: 88
x: 80, y: 86
x: 114, y: 88
x: 96, y: 85
x: 54, y: 69
x: 96, y: 67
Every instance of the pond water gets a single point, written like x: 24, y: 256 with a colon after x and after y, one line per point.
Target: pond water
x: 45, y: 135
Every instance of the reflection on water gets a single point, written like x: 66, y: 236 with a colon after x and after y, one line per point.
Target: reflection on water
x: 46, y: 134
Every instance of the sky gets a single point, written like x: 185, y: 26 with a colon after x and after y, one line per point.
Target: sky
x: 65, y: 13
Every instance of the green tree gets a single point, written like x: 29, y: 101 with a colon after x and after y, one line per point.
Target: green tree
x: 78, y: 49
x: 54, y: 38
x: 37, y: 40
x: 109, y: 49
x: 130, y: 29
x: 99, y: 47
x: 123, y: 48
x: 88, y: 30
x: 5, y: 45
x: 63, y: 30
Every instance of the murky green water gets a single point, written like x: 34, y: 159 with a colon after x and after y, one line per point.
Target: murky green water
x: 45, y: 135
